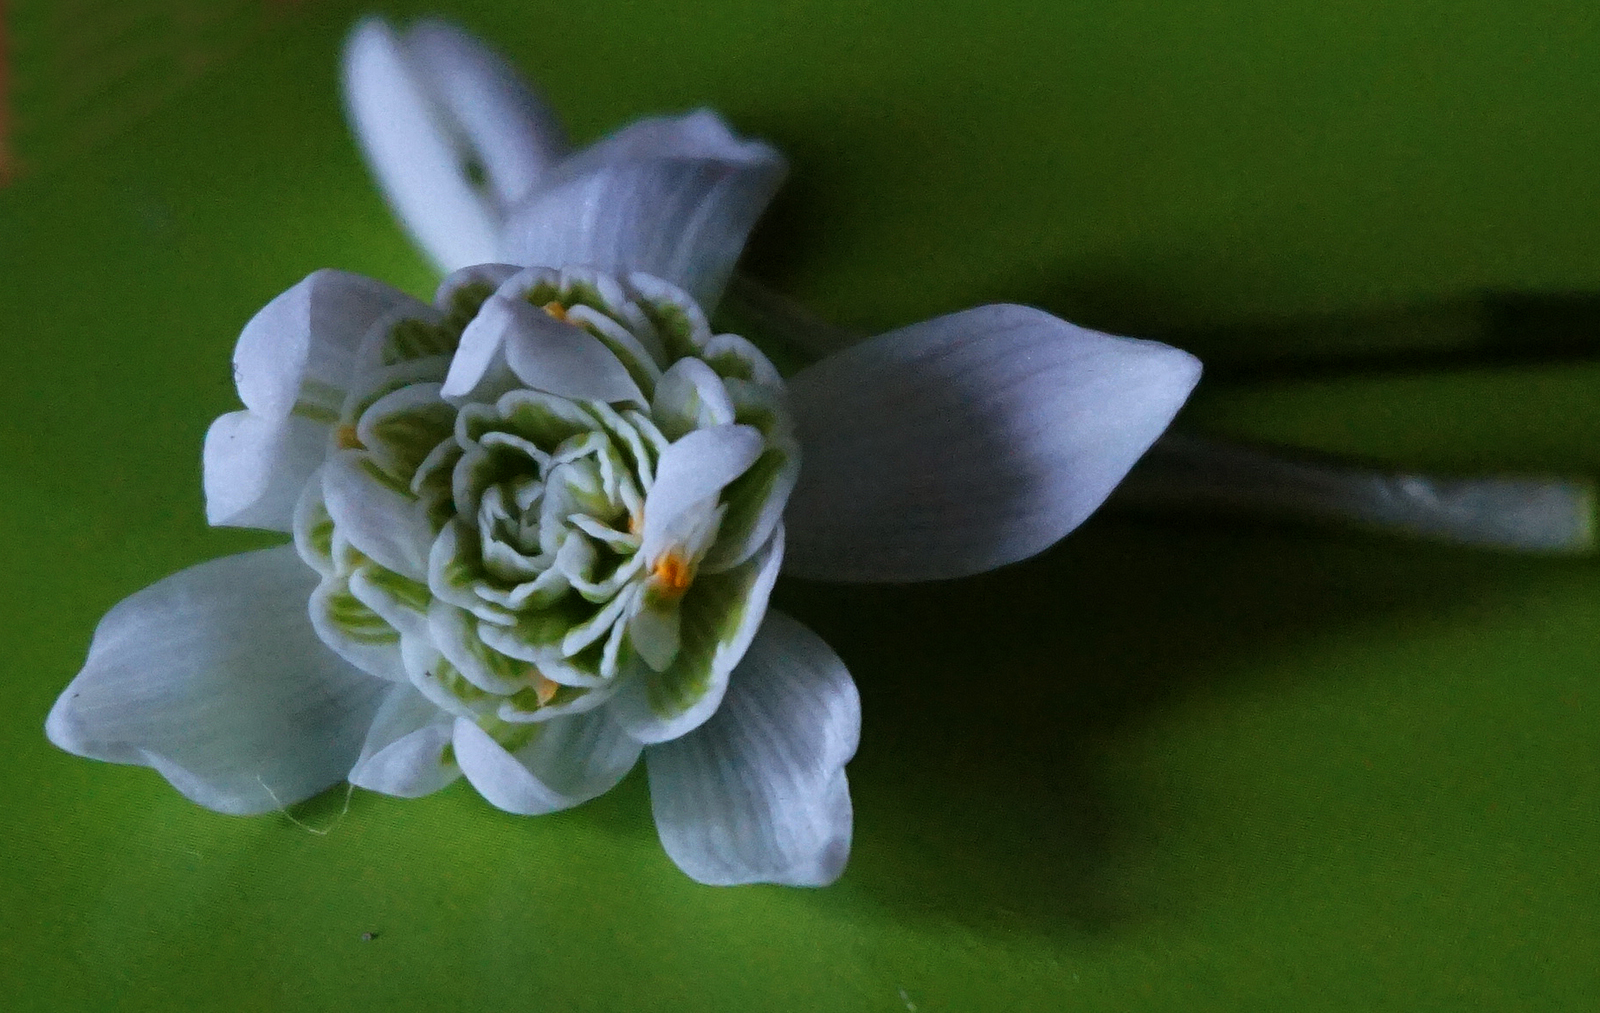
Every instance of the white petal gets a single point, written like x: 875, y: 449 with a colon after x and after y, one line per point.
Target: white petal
x: 683, y: 220
x: 492, y: 275
x: 297, y: 353
x: 418, y: 154
x: 569, y: 761
x: 689, y: 396
x: 690, y: 474
x: 758, y: 793
x: 718, y: 617
x: 963, y: 443
x: 214, y: 677
x: 404, y: 751
x: 512, y: 131
x: 563, y: 359
x: 479, y: 365
x: 697, y: 134
x: 389, y: 527
x: 255, y: 468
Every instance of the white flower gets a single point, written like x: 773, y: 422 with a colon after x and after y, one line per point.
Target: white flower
x: 536, y: 522
x: 477, y: 168
x: 542, y: 517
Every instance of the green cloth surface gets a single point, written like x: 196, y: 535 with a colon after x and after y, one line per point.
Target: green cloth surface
x: 1168, y: 765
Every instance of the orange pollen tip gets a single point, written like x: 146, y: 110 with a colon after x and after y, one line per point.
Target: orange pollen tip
x: 555, y: 309
x: 544, y: 689
x: 674, y: 573
x: 347, y: 439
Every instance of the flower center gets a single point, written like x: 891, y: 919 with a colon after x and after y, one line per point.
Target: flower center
x: 556, y: 310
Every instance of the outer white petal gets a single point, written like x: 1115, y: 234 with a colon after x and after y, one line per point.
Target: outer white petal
x: 298, y: 351
x: 683, y: 220
x: 691, y: 472
x: 569, y: 761
x: 697, y: 134
x: 404, y: 751
x: 963, y: 443
x: 512, y: 131
x: 214, y: 677
x: 758, y: 793
x: 256, y: 467
x: 415, y: 150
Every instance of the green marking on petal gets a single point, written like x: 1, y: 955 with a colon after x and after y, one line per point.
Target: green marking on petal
x: 511, y: 735
x: 677, y: 328
x: 384, y: 478
x: 410, y: 436
x: 403, y: 589
x: 352, y: 617
x: 714, y: 613
x: 465, y: 302
x: 315, y: 412
x: 417, y: 339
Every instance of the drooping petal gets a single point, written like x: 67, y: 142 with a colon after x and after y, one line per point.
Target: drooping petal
x: 683, y: 220
x: 718, y: 616
x: 404, y: 753
x: 758, y: 793
x: 296, y: 354
x: 420, y: 157
x: 512, y: 132
x: 214, y: 677
x: 567, y: 761
x: 255, y: 468
x: 692, y: 471
x: 967, y: 442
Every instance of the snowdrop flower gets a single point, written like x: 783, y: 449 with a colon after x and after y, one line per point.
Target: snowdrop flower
x: 535, y: 525
x: 477, y: 168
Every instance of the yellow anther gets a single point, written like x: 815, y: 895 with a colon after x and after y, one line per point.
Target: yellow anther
x: 347, y: 439
x: 555, y: 309
x: 674, y: 574
x: 544, y: 689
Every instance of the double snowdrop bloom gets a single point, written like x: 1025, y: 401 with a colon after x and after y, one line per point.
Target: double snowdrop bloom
x: 535, y: 525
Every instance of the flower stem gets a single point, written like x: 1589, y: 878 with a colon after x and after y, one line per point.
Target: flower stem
x: 1533, y: 514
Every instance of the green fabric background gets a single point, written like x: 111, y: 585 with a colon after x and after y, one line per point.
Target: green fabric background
x: 1168, y: 765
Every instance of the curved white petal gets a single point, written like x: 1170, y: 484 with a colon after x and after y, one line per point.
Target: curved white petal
x: 683, y: 220
x: 387, y: 525
x: 697, y: 134
x: 691, y: 472
x: 510, y: 129
x: 255, y: 468
x: 404, y: 754
x: 492, y: 275
x: 718, y: 617
x: 690, y: 395
x: 419, y: 156
x: 214, y: 677
x: 963, y: 443
x: 569, y: 761
x: 758, y: 793
x: 297, y: 353
x: 563, y: 359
